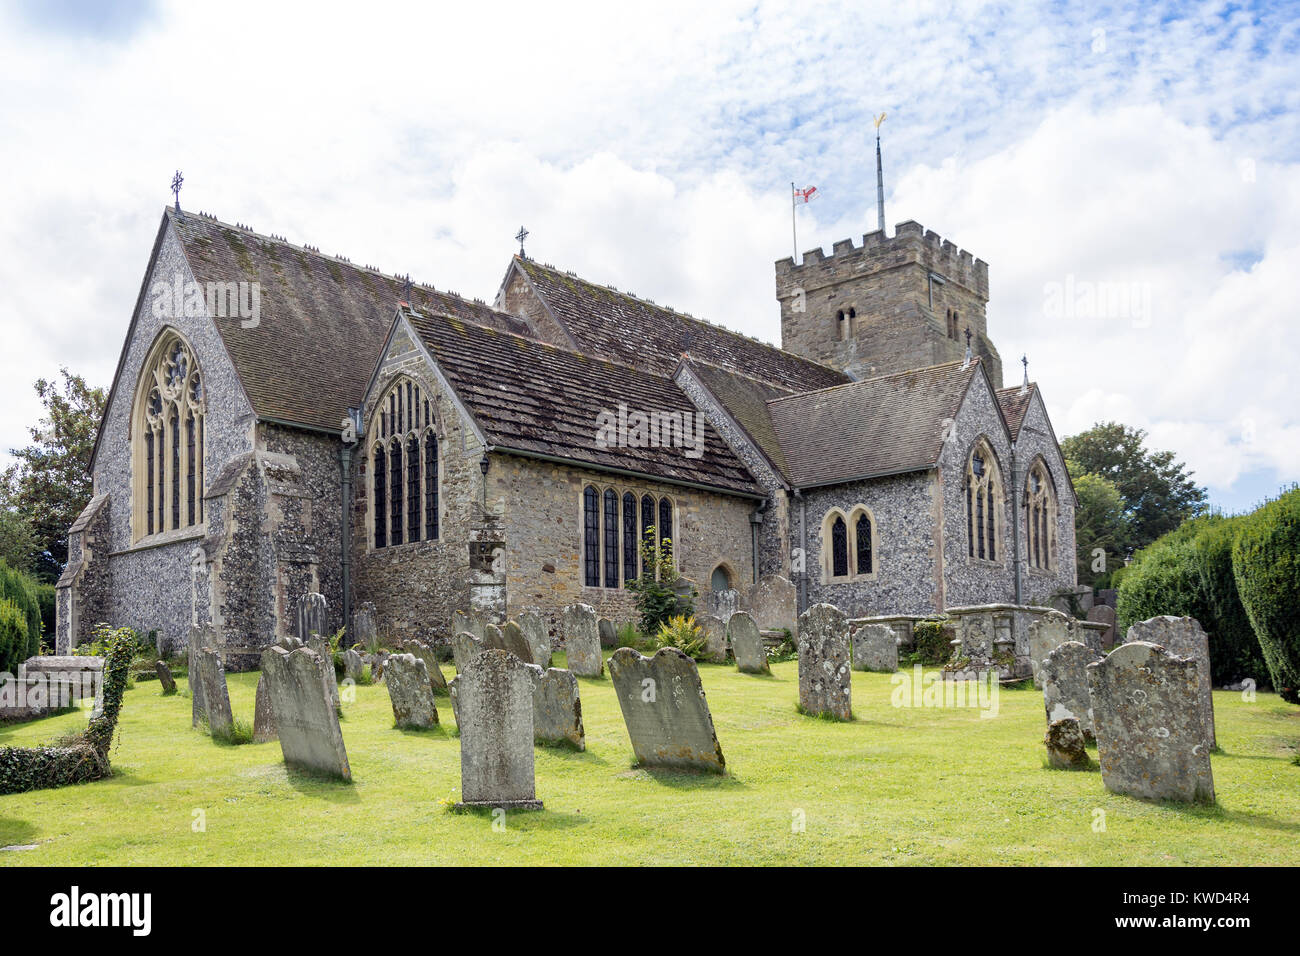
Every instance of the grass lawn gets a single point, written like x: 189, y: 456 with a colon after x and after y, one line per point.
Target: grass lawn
x: 895, y: 786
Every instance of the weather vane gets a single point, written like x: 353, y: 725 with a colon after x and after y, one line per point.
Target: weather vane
x: 520, y: 236
x: 177, y: 181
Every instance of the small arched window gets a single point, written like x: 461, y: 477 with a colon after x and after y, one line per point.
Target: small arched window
x: 719, y: 580
x: 984, y: 503
x: 168, y: 441
x: 404, y: 467
x: 1040, y: 518
x: 862, y: 540
x: 839, y: 548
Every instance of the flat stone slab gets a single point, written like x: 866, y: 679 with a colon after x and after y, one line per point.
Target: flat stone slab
x: 582, y: 641
x: 557, y: 707
x: 825, y: 680
x: 306, y: 719
x: 875, y: 648
x: 533, y: 625
x: 747, y: 644
x: 1065, y: 685
x: 665, y: 710
x: 410, y: 691
x: 427, y: 654
x: 1146, y: 715
x: 1184, y: 637
x: 216, y: 698
x: 494, y: 704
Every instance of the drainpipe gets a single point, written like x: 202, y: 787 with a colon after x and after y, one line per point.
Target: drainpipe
x: 803, y: 550
x: 351, y: 432
x: 1015, y: 525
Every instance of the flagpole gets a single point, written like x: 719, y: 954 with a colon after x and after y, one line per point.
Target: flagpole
x: 794, y: 228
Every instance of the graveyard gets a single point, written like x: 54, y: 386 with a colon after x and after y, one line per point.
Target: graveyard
x: 896, y: 785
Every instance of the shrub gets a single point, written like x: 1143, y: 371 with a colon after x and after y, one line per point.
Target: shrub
x: 929, y: 643
x: 1266, y: 566
x: 13, y: 631
x: 656, y: 601
x: 1234, y: 648
x: 1163, y: 579
x: 21, y: 589
x: 682, y: 633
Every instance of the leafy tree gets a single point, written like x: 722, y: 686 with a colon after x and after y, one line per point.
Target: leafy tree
x: 1100, y: 522
x: 1158, y: 491
x: 17, y: 540
x: 50, y: 482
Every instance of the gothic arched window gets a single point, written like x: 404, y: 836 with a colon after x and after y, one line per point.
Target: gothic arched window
x: 168, y: 440
x: 1040, y: 518
x: 839, y: 548
x: 629, y: 536
x: 647, y: 521
x: 591, y: 537
x: 862, y: 540
x: 666, y: 526
x: 404, y: 475
x: 611, y: 538
x: 983, y: 489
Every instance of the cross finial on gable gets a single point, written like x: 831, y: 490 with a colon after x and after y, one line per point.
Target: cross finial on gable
x: 177, y: 181
x: 966, y: 361
x: 520, y: 236
x: 1024, y: 386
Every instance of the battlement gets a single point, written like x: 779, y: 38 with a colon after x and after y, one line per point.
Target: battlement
x: 911, y: 245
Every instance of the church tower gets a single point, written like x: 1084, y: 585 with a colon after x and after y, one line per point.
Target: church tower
x: 888, y: 305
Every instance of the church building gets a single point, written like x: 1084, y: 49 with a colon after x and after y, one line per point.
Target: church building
x: 283, y: 421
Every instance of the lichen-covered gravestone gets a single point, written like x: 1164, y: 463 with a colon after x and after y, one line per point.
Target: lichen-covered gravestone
x: 494, y: 703
x: 1046, y: 634
x: 165, y: 678
x: 747, y: 644
x: 410, y: 691
x: 464, y: 648
x: 715, y: 638
x: 1104, y: 614
x: 216, y: 699
x: 1065, y: 685
x: 312, y: 616
x: 199, y: 639
x: 664, y: 708
x: 875, y: 648
x: 1145, y: 713
x: 353, y: 666
x: 772, y: 604
x: 1183, y: 637
x: 539, y: 641
x: 582, y: 641
x: 1066, y: 748
x: 365, y: 625
x: 306, y: 719
x: 426, y: 653
x: 608, y: 633
x: 263, y: 714
x: 471, y: 623
x: 825, y: 680
x: 512, y: 637
x: 557, y: 708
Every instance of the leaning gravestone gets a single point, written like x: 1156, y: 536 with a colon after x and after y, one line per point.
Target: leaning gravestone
x: 494, y: 702
x: 1066, y: 747
x: 825, y: 681
x: 1104, y: 614
x: 1046, y: 634
x: 426, y: 653
x: 312, y: 616
x: 1183, y: 637
x: 306, y: 719
x: 1146, y: 715
x: 772, y: 604
x: 464, y: 648
x: 353, y: 666
x: 199, y: 639
x: 557, y: 708
x: 410, y: 691
x: 165, y: 678
x: 875, y: 648
x: 608, y: 633
x: 539, y: 642
x: 747, y: 644
x: 582, y: 641
x: 1065, y: 685
x: 664, y: 708
x: 216, y: 699
x: 512, y: 636
x: 715, y: 638
x: 263, y: 715
x: 365, y: 625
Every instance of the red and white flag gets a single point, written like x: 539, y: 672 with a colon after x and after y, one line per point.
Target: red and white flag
x: 805, y: 195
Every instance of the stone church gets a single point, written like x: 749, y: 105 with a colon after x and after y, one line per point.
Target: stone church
x: 283, y: 421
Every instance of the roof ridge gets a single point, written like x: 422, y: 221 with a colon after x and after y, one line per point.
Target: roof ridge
x: 690, y: 359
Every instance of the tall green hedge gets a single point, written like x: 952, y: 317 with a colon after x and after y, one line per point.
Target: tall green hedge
x: 1161, y: 580
x: 13, y: 632
x: 1234, y: 649
x: 1266, y: 566
x: 22, y: 590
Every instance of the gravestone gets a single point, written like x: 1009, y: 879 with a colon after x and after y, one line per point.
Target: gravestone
x: 410, y: 691
x: 512, y: 636
x: 715, y: 638
x: 608, y: 633
x: 723, y: 603
x: 875, y: 648
x: 1104, y: 614
x: 321, y: 646
x: 772, y: 604
x: 426, y: 653
x: 451, y: 692
x: 539, y: 642
x: 377, y: 664
x: 557, y: 708
x: 199, y: 638
x: 216, y: 699
x: 1066, y: 747
x: 825, y: 681
x: 1147, y: 719
x: 1050, y: 631
x: 353, y: 666
x: 464, y: 648
x: 747, y: 644
x: 493, y: 639
x: 664, y: 708
x: 469, y: 623
x: 165, y: 678
x: 313, y: 617
x: 494, y: 701
x: 306, y: 719
x: 365, y: 625
x: 263, y: 715
x: 1065, y: 685
x: 582, y: 641
x: 1183, y: 637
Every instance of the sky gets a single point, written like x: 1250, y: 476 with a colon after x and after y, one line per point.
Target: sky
x: 1130, y: 172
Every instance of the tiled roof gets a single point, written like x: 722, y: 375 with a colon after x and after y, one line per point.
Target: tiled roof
x: 880, y: 426
x: 534, y: 397
x: 323, y: 320
x: 633, y: 331
x: 1014, y: 405
x: 745, y: 400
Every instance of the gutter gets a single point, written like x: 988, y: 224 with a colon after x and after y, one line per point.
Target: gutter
x: 627, y: 473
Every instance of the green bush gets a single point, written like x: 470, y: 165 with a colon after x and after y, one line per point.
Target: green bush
x: 928, y: 643
x: 1163, y: 579
x: 682, y: 633
x: 13, y: 631
x: 22, y: 590
x: 1266, y: 565
x: 1234, y: 648
x: 656, y: 600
